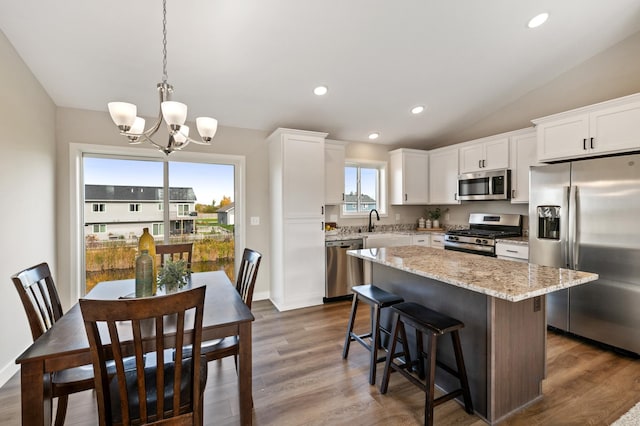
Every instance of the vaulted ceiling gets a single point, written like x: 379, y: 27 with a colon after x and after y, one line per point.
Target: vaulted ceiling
x: 254, y: 63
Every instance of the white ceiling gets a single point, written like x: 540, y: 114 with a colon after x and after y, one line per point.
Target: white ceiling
x: 254, y: 63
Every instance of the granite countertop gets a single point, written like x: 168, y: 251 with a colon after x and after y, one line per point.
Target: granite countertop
x: 520, y: 241
x: 504, y: 279
x: 336, y: 236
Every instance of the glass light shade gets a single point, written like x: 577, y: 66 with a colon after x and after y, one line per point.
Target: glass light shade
x: 182, y: 134
x: 174, y: 113
x: 138, y: 126
x: 207, y: 127
x: 538, y: 20
x: 122, y: 113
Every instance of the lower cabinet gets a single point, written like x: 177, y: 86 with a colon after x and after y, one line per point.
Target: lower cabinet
x: 437, y: 241
x: 421, y: 240
x: 516, y: 252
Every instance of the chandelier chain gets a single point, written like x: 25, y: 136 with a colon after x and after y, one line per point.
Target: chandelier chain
x: 164, y: 41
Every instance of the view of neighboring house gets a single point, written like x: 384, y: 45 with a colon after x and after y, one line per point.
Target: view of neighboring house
x: 120, y: 212
x: 226, y: 214
x: 365, y: 203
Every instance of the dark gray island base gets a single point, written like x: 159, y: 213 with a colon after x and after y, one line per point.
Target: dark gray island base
x: 502, y: 304
x: 503, y: 342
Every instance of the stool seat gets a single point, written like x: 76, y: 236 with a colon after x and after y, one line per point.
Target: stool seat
x: 377, y: 299
x: 376, y: 295
x: 419, y: 316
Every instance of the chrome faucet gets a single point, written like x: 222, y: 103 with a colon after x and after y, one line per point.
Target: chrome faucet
x: 370, y: 228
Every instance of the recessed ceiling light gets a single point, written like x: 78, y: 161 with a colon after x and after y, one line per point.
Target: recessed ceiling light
x: 417, y: 109
x: 321, y: 90
x: 538, y: 20
x: 374, y: 135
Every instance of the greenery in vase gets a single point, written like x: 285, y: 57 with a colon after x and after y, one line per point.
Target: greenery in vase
x: 173, y: 275
x: 435, y: 214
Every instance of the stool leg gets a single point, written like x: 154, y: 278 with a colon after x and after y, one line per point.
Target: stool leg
x: 420, y: 354
x: 347, y: 340
x: 375, y: 342
x: 392, y: 350
x: 462, y: 372
x: 431, y: 378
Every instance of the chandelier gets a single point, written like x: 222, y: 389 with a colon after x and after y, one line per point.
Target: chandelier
x: 124, y: 114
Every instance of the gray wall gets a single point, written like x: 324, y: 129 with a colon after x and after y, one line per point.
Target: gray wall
x: 27, y: 189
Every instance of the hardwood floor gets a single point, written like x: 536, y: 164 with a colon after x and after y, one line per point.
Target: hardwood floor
x: 301, y: 379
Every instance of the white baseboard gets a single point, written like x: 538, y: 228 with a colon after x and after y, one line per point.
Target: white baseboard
x: 7, y: 372
x: 263, y: 295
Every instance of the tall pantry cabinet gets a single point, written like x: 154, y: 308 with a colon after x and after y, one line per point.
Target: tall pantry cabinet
x: 296, y: 174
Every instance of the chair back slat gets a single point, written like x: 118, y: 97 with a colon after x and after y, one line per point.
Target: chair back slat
x: 174, y: 252
x: 162, y: 386
x: 247, y: 275
x: 39, y: 298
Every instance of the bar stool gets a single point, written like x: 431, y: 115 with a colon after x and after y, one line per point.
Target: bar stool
x: 431, y: 324
x: 377, y: 299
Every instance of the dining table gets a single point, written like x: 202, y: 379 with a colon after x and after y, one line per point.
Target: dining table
x: 65, y: 344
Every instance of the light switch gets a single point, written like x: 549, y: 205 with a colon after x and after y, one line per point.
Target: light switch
x: 255, y: 220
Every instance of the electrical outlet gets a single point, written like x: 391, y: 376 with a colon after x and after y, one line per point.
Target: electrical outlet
x: 397, y: 217
x: 255, y: 220
x: 447, y: 216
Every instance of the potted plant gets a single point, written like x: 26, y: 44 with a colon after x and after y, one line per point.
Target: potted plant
x: 434, y: 216
x: 173, y: 275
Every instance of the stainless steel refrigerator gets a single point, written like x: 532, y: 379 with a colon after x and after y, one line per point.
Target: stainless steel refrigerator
x: 585, y: 215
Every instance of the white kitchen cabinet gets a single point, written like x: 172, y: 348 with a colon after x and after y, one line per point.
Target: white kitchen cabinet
x: 509, y: 251
x: 443, y: 176
x: 484, y: 154
x: 421, y: 240
x: 296, y: 180
x: 409, y: 176
x: 437, y: 241
x: 523, y: 155
x: 605, y: 128
x: 334, y: 153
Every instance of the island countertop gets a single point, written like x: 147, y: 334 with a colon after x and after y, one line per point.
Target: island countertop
x: 504, y: 279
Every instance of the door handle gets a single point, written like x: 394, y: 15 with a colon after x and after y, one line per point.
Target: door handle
x: 321, y: 209
x: 484, y: 163
x: 479, y: 164
x: 513, y: 193
x: 591, y: 144
x: 584, y: 144
x: 406, y: 197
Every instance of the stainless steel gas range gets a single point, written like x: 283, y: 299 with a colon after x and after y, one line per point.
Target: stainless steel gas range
x: 484, y: 229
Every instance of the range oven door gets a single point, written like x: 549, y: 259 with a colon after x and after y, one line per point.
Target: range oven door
x: 469, y: 247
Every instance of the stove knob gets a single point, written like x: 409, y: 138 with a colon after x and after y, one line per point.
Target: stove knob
x: 478, y: 241
x: 485, y: 242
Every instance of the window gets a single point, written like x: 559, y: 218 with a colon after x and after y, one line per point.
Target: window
x: 157, y: 229
x: 183, y: 209
x: 99, y: 228
x: 98, y: 207
x: 160, y: 207
x: 134, y: 207
x: 364, y: 188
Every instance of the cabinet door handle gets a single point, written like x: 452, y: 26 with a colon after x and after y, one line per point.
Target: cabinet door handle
x: 343, y: 196
x: 584, y: 144
x: 479, y: 164
x: 484, y: 163
x: 513, y: 193
x: 591, y: 144
x: 321, y: 209
x: 322, y: 223
x: 405, y: 197
x: 455, y: 196
x: 511, y: 251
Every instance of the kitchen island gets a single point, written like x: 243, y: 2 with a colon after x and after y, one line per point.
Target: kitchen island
x: 502, y: 304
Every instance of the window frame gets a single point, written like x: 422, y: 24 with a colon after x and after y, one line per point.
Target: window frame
x: 382, y: 187
x: 102, y: 228
x: 98, y: 207
x: 182, y: 206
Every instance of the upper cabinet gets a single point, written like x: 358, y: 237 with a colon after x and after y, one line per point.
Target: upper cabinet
x: 334, y: 153
x: 409, y: 173
x: 604, y: 128
x: 523, y: 155
x: 484, y: 154
x: 443, y: 176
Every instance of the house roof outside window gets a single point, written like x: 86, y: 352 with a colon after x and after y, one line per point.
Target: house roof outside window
x: 118, y: 193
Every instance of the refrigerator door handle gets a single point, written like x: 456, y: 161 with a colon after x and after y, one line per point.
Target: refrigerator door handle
x: 573, y: 227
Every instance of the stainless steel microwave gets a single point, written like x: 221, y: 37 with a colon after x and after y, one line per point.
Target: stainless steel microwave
x: 490, y: 185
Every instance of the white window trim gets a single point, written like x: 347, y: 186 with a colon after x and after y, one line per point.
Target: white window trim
x: 76, y: 197
x: 383, y: 166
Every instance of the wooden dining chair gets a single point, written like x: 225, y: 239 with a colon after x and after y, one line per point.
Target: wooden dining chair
x: 41, y: 303
x: 165, y: 386
x: 175, y: 252
x: 245, y: 284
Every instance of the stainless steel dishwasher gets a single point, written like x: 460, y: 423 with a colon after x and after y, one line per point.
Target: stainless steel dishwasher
x: 343, y: 271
